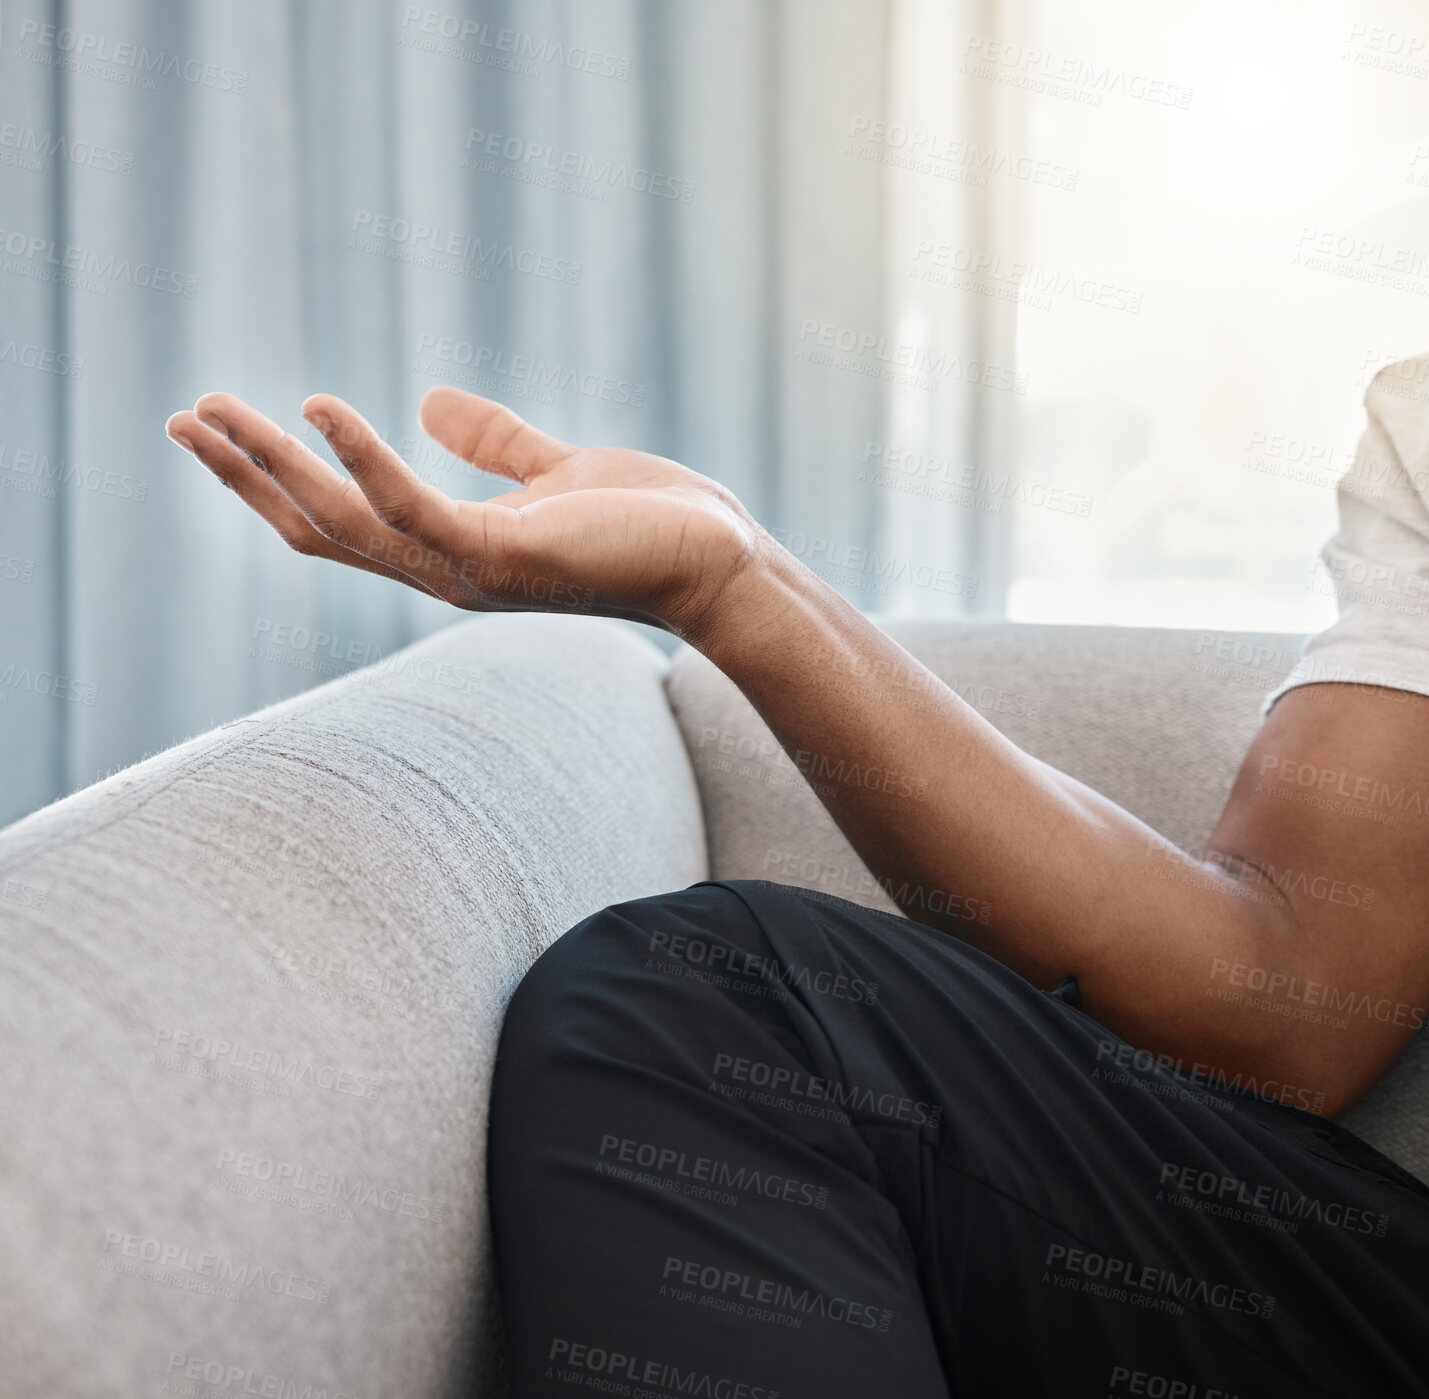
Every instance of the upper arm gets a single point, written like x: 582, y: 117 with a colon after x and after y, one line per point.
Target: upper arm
x: 1293, y: 955
x: 1331, y: 804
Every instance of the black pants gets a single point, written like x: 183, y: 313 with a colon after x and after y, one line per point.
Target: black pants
x: 748, y: 1141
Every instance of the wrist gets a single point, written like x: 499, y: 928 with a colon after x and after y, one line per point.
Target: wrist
x: 751, y: 604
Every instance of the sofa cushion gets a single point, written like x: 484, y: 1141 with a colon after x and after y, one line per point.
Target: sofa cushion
x: 1157, y: 720
x: 249, y: 997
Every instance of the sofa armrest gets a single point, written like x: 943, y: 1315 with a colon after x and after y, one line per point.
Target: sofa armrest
x: 249, y: 997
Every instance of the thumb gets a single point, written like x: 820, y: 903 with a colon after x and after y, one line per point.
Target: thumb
x: 488, y: 434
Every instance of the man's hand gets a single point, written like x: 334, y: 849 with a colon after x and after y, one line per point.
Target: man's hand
x: 602, y: 530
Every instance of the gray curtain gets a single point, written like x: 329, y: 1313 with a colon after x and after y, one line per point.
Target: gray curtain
x: 215, y: 195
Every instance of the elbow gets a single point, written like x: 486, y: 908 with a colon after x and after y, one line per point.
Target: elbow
x: 1304, y: 1067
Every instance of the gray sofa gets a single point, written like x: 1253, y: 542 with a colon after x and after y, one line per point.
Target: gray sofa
x: 250, y: 989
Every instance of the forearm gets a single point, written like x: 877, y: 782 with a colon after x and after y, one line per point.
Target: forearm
x: 948, y: 814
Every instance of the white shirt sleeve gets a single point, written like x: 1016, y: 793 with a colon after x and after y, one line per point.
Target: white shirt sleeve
x: 1378, y: 559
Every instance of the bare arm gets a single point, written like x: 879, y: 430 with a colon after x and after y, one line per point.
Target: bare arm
x: 1332, y: 803
x: 1318, y: 908
x: 1076, y: 884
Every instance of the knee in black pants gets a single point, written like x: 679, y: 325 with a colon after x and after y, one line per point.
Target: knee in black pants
x: 593, y: 975
x: 665, y: 1202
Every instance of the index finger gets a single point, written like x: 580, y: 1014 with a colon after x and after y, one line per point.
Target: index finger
x: 398, y: 496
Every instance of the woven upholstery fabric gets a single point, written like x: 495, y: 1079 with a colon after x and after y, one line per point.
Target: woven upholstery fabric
x: 249, y: 997
x: 1157, y: 720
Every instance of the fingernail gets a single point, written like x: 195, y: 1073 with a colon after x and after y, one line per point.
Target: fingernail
x: 216, y: 423
x: 182, y: 441
x: 321, y: 421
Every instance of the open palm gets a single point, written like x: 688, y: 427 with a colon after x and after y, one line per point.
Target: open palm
x: 604, y: 530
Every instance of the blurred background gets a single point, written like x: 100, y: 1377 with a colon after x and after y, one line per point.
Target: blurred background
x: 1056, y: 311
